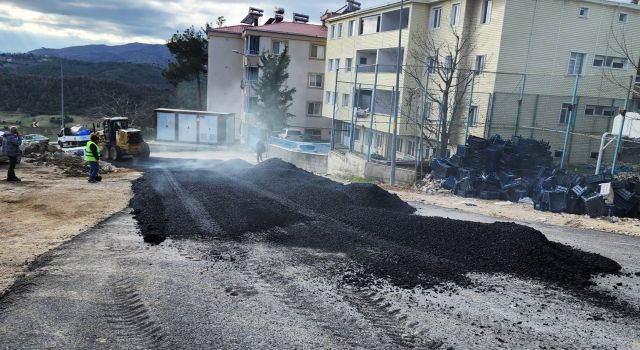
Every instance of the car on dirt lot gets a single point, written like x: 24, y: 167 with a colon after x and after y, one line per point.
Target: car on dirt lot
x: 34, y: 138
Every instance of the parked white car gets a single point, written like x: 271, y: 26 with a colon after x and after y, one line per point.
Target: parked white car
x: 292, y: 134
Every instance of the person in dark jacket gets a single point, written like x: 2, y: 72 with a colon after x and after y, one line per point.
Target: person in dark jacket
x: 260, y: 148
x: 11, y: 147
x: 92, y: 156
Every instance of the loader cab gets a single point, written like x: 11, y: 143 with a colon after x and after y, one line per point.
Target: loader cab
x: 111, y: 127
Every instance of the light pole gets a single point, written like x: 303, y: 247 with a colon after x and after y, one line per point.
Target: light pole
x: 61, y: 95
x: 392, y: 175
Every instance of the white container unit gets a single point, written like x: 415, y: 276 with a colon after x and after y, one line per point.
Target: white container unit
x: 195, y: 126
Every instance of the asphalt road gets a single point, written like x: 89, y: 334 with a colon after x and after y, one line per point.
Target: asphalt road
x: 107, y: 289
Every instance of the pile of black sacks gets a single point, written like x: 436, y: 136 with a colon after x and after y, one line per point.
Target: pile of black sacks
x: 498, y: 169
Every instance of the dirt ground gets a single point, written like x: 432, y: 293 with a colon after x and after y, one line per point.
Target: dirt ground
x: 518, y: 211
x: 48, y: 208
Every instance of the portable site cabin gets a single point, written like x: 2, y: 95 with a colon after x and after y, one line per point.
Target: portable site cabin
x: 179, y: 125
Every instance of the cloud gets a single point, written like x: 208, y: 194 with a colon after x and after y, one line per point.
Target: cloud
x: 76, y: 22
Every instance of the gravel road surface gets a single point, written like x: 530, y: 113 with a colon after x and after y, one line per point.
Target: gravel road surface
x: 240, y: 288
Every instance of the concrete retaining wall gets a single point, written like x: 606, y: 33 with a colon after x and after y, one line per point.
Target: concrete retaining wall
x: 352, y: 165
x: 315, y: 163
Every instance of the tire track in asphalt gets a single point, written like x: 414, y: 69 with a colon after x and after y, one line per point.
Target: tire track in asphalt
x: 129, y: 316
x: 196, y: 210
x: 400, y: 334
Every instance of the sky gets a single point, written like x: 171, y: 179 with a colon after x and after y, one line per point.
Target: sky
x: 31, y: 24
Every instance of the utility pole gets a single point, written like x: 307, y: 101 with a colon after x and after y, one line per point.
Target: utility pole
x: 392, y: 175
x: 572, y: 114
x: 61, y: 94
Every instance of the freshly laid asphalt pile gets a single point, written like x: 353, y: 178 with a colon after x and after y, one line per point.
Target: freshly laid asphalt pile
x: 371, y: 226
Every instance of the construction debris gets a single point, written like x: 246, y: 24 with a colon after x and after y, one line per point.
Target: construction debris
x: 522, y: 168
x: 71, y: 163
x: 280, y: 204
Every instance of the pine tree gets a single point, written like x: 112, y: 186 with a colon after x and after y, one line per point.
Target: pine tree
x: 191, y: 56
x: 274, y: 97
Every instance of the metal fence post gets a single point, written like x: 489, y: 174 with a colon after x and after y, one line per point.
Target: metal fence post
x: 470, y: 102
x: 492, y: 100
x: 333, y: 117
x: 519, y: 111
x: 572, y: 114
x: 372, y: 109
x: 619, y: 141
x: 354, y: 109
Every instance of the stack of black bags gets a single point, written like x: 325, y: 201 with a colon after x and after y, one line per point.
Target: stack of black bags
x: 518, y: 168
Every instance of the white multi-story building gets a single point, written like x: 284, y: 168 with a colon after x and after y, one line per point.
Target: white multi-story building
x: 526, y: 54
x: 233, y: 70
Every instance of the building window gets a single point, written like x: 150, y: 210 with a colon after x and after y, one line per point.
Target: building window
x: 485, y: 11
x: 253, y: 45
x: 250, y: 104
x: 622, y: 17
x: 316, y: 80
x: 583, y: 12
x: 314, y: 109
x: 333, y: 32
x: 379, y: 142
x: 601, y: 61
x: 346, y: 98
x: 400, y: 144
x: 278, y: 47
x: 480, y: 63
x: 600, y: 111
x: 411, y: 148
x: 448, y: 64
x: 576, y: 63
x: 432, y: 63
x: 564, y: 113
x: 473, y: 116
x: 436, y: 15
x: 330, y: 64
x: 455, y: 15
x: 352, y: 28
x: 369, y: 25
x: 339, y: 30
x: 348, y: 64
x: 317, y: 52
x: 356, y: 134
x: 252, y: 74
x: 337, y: 64
x: 327, y: 97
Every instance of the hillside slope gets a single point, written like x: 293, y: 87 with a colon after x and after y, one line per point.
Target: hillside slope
x: 154, y: 54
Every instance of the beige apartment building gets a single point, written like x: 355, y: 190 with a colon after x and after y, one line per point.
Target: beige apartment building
x: 233, y: 71
x: 525, y: 56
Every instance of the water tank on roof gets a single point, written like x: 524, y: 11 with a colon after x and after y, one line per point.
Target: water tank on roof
x: 631, y: 125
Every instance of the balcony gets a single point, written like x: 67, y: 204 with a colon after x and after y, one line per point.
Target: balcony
x: 386, y: 59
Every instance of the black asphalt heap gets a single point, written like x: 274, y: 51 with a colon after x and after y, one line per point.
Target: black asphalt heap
x: 292, y: 207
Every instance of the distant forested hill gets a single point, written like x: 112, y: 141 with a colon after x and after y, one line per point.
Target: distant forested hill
x: 153, y: 54
x: 129, y: 73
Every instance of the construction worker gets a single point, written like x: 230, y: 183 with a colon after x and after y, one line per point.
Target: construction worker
x: 11, y: 147
x: 260, y: 149
x: 92, y: 156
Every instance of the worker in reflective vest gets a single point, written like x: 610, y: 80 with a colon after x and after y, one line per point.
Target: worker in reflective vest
x: 92, y: 156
